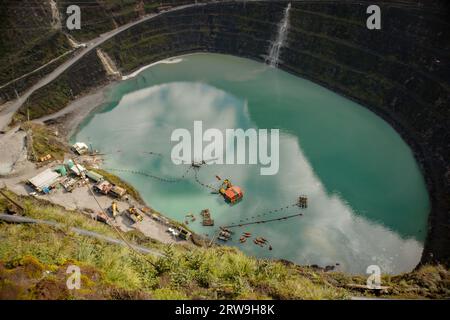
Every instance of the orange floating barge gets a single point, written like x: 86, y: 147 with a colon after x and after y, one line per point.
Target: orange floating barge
x: 232, y: 194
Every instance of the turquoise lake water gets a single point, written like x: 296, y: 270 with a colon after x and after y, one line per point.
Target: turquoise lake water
x: 368, y: 202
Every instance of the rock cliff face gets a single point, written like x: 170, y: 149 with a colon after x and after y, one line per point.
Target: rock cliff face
x: 34, y: 35
x: 28, y: 40
x: 401, y: 72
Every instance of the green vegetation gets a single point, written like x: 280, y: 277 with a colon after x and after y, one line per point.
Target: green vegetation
x: 47, y: 100
x: 27, y: 44
x: 33, y: 55
x: 45, y: 141
x: 182, y: 273
x: 38, y: 256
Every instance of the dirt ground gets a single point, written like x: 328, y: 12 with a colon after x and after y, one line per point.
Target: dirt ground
x: 81, y: 199
x: 68, y: 119
x: 13, y: 151
x: 15, y: 170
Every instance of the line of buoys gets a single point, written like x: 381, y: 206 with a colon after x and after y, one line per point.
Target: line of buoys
x: 270, y: 212
x: 263, y: 221
x: 147, y: 174
x: 203, y: 184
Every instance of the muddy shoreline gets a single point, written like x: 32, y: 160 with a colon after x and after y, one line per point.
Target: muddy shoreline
x: 70, y: 118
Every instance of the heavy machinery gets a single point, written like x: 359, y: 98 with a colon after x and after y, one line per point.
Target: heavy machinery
x: 231, y: 194
x: 134, y: 215
x: 114, y: 209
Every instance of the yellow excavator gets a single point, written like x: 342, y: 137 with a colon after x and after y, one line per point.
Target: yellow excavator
x: 134, y: 214
x: 114, y: 209
x: 226, y: 184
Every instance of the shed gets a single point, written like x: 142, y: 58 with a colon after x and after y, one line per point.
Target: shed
x: 61, y: 170
x: 80, y: 148
x: 183, y: 233
x: 44, y: 180
x: 118, y: 191
x: 94, y: 176
x: 69, y: 163
x: 78, y: 169
x: 103, y: 187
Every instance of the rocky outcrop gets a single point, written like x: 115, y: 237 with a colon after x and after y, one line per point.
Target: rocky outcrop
x: 108, y: 64
x: 401, y: 72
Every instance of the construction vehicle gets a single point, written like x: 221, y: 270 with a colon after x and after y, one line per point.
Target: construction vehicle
x: 114, y: 209
x: 45, y: 158
x: 117, y: 192
x: 231, y: 194
x: 134, y: 215
x: 103, y: 187
x: 102, y: 217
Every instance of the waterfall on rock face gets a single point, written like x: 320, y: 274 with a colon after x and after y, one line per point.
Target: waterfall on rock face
x: 274, y: 51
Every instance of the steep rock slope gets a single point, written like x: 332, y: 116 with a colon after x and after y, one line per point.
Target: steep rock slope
x: 30, y: 38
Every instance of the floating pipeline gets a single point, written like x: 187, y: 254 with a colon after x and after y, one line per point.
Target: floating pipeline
x: 150, y: 175
x: 204, y: 184
x: 263, y: 221
x: 242, y: 223
x: 270, y: 212
x: 163, y: 179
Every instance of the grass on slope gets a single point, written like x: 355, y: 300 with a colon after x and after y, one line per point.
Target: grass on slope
x: 184, y: 272
x: 45, y: 141
x: 181, y: 274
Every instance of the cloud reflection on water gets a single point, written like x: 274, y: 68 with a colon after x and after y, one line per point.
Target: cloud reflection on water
x: 330, y: 230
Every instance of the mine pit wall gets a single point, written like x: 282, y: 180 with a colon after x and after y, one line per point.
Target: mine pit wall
x: 82, y: 77
x: 400, y: 72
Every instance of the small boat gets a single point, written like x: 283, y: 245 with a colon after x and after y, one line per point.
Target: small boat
x: 223, y: 238
x: 226, y: 230
x: 270, y: 247
x: 242, y: 239
x: 225, y: 234
x: 247, y: 234
x: 208, y: 222
x: 260, y: 242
